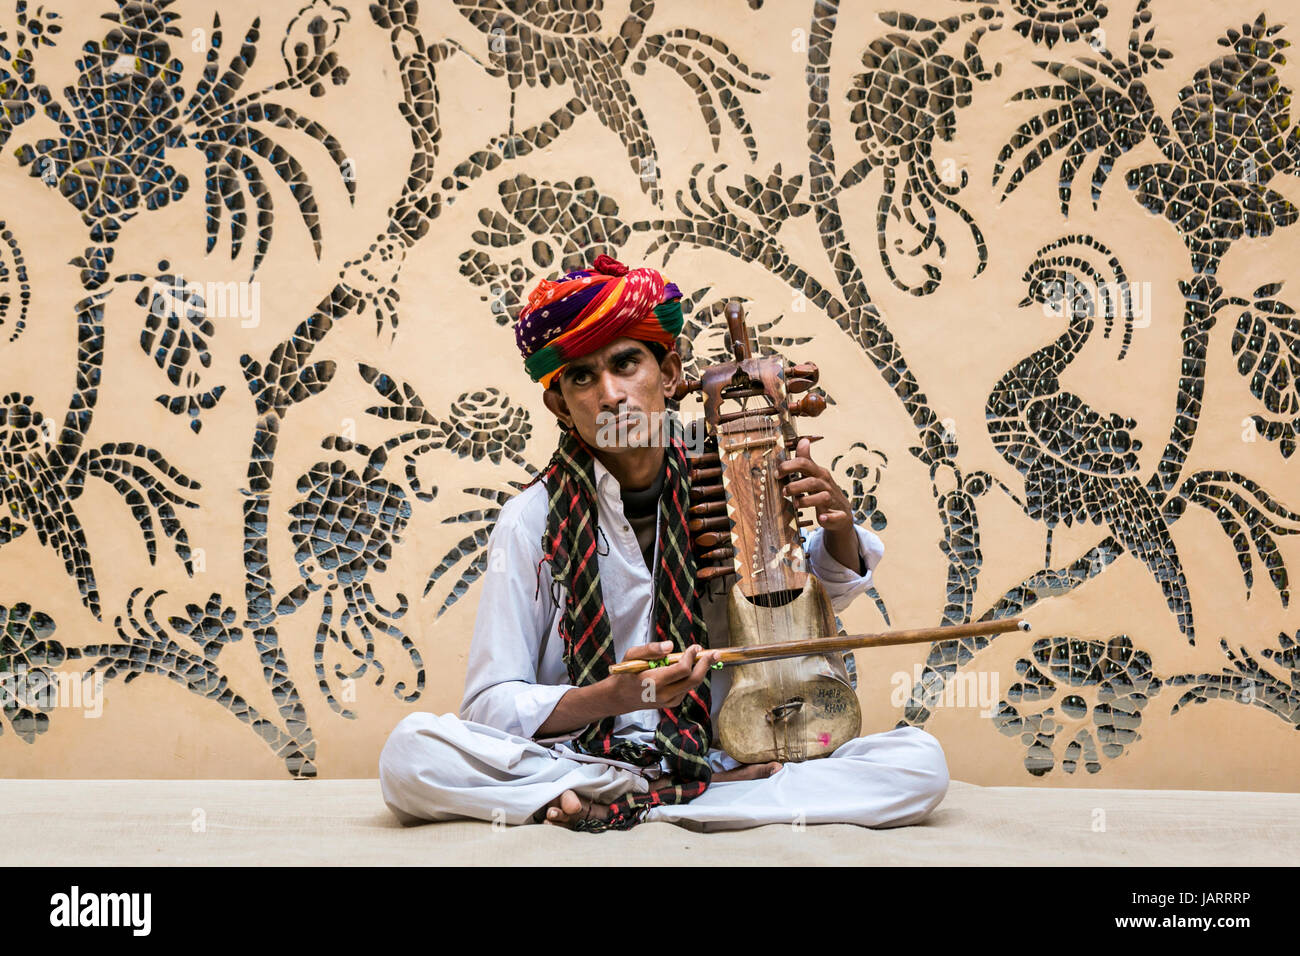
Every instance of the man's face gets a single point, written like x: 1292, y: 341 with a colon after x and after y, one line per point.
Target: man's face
x: 614, y: 396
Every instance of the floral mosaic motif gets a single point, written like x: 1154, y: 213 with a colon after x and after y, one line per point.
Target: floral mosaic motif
x: 28, y: 655
x: 145, y: 646
x: 906, y: 99
x: 343, y: 528
x: 1230, y: 140
x: 566, y: 227
x: 175, y: 335
x: 773, y: 200
x: 307, y: 45
x: 1095, y: 693
x: 211, y: 625
x: 1104, y: 108
x: 41, y: 476
x: 486, y: 424
x: 707, y: 219
x: 130, y: 80
x: 473, y: 546
x: 1051, y: 21
x: 859, y: 471
x: 372, y: 280
x: 482, y: 425
x: 1247, y: 682
x: 565, y: 43
x: 1266, y: 344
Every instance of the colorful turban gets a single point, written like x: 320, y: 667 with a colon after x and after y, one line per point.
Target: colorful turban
x: 585, y: 310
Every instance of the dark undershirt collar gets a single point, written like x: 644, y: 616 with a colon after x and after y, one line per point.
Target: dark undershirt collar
x: 639, y: 504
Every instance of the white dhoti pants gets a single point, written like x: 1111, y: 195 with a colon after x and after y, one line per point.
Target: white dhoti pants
x: 439, y: 767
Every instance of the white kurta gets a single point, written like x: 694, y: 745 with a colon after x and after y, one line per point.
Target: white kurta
x: 488, y: 763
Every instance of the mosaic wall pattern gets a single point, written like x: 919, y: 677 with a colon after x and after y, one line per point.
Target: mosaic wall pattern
x: 1039, y: 248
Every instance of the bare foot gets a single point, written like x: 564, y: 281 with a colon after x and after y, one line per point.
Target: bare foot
x: 569, y: 809
x: 749, y: 771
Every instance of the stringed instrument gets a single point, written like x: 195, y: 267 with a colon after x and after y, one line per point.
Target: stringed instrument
x: 790, y: 698
x: 741, y: 523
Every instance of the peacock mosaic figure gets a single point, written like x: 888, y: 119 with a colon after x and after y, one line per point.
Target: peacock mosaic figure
x: 1080, y: 464
x: 1229, y: 137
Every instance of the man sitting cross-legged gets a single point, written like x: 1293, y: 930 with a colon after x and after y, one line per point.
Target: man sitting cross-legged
x: 545, y: 732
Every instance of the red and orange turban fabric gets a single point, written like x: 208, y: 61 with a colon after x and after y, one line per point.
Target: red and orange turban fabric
x: 583, y: 311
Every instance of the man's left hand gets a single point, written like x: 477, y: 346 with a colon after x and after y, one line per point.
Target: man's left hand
x: 816, y: 488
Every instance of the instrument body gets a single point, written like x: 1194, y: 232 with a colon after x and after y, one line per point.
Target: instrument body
x: 798, y: 708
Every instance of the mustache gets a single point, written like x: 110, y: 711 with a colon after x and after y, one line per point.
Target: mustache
x: 623, y: 414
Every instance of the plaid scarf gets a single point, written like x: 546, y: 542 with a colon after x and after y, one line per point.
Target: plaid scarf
x: 569, y: 543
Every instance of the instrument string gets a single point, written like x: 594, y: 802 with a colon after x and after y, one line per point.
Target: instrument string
x: 771, y: 580
x: 776, y: 581
x: 748, y: 550
x: 773, y: 511
x: 779, y: 527
x: 751, y: 552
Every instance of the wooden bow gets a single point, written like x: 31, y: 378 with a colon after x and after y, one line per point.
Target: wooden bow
x: 847, y: 642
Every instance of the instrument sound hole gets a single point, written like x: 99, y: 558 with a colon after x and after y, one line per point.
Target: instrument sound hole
x: 785, y: 711
x: 774, y: 598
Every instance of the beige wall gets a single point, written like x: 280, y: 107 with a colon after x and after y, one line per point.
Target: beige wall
x: 402, y: 286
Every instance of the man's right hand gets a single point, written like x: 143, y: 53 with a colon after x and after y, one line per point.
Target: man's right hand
x: 658, y: 687
x: 624, y: 693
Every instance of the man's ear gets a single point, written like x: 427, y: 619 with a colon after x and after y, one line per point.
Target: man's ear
x: 671, y: 367
x: 558, y: 406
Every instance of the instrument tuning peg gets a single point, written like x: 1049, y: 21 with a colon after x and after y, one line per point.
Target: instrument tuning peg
x: 807, y: 370
x: 735, y: 313
x: 712, y: 539
x: 794, y: 386
x: 811, y: 405
x: 685, y: 387
x: 709, y: 573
